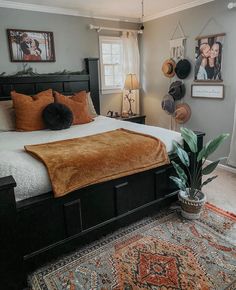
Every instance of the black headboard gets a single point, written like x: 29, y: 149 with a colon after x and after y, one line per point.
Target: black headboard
x: 65, y: 84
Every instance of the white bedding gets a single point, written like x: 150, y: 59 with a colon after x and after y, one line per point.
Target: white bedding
x: 31, y: 175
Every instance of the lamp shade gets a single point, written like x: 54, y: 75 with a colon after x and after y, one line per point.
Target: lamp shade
x: 131, y: 82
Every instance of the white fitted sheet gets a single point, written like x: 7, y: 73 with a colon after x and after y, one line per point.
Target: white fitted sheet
x: 31, y: 175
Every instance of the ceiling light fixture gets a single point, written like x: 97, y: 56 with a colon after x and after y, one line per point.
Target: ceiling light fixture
x: 142, y: 26
x: 232, y: 5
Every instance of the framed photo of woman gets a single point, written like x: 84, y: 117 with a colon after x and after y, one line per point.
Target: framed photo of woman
x: 31, y: 46
x: 209, y: 58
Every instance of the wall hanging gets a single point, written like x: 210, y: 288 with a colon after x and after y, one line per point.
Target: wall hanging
x: 179, y: 67
x: 209, y: 58
x: 209, y: 54
x: 208, y: 91
x: 31, y: 46
x: 177, y: 45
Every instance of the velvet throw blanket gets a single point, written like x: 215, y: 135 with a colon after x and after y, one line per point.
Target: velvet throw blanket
x: 79, y: 162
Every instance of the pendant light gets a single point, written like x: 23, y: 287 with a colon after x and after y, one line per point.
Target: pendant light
x: 142, y: 26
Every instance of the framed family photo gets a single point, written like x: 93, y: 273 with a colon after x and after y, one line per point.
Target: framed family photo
x: 209, y: 58
x: 31, y: 46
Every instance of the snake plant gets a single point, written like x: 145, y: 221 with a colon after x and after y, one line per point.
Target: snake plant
x: 191, y: 181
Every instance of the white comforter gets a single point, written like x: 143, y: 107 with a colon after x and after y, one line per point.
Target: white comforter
x: 31, y: 175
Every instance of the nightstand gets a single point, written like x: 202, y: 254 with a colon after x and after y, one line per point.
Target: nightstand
x: 135, y: 119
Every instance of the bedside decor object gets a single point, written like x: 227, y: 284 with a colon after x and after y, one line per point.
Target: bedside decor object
x: 168, y: 68
x: 113, y: 114
x: 31, y: 46
x: 177, y: 90
x: 124, y: 114
x: 208, y: 91
x: 182, y: 113
x: 131, y: 83
x: 191, y: 196
x: 183, y: 69
x: 57, y: 116
x: 208, y: 58
x: 110, y: 114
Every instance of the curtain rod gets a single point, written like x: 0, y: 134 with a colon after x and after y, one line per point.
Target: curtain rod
x: 99, y: 28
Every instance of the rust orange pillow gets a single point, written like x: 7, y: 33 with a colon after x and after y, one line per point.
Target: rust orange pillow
x: 28, y: 110
x: 78, y: 105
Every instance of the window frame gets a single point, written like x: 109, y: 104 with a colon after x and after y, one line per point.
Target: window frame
x: 104, y: 88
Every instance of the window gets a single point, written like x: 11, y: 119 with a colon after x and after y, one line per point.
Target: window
x: 111, y: 64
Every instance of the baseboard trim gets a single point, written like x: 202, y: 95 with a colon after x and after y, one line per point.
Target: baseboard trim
x: 224, y: 167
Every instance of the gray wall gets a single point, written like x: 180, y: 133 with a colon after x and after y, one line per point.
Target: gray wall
x: 210, y: 116
x: 73, y: 42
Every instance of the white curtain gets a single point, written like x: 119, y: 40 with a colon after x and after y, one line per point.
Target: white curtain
x: 232, y: 155
x: 131, y: 64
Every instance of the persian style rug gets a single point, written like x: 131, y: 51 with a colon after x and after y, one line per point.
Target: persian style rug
x: 163, y: 252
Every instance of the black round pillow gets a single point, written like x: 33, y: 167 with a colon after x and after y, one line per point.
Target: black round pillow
x: 57, y: 116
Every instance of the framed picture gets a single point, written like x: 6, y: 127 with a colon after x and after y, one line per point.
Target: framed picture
x: 209, y: 58
x: 209, y: 91
x: 31, y: 46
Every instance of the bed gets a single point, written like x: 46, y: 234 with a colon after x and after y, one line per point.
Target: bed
x: 36, y: 227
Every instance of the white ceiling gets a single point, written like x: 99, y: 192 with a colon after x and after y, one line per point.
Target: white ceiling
x: 128, y: 10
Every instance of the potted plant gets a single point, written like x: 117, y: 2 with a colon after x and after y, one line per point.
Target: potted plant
x: 189, y: 181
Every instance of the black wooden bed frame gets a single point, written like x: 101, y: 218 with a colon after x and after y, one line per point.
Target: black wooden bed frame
x: 41, y: 228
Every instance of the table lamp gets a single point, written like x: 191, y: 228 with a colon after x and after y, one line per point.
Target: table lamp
x: 131, y: 83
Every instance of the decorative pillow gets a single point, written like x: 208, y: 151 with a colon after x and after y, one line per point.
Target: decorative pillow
x: 91, y: 108
x: 7, y: 116
x: 81, y: 97
x: 78, y: 105
x: 57, y: 116
x: 29, y: 110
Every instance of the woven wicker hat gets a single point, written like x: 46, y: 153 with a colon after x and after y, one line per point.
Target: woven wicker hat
x: 168, y: 104
x: 168, y: 68
x: 182, y: 113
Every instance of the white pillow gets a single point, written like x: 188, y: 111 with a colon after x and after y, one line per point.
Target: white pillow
x: 7, y: 116
x: 91, y: 108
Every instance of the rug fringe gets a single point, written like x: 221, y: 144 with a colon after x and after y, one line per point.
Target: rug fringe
x: 221, y: 211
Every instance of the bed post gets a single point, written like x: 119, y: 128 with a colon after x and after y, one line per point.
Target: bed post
x: 11, y: 261
x: 193, y: 156
x: 91, y: 65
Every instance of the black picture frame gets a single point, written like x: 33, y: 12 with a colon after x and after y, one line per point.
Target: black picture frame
x: 31, y: 45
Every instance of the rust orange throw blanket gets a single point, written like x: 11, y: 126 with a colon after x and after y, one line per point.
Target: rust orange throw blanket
x: 76, y: 163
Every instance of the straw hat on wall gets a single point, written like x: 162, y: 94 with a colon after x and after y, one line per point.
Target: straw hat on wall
x: 182, y: 113
x: 168, y: 68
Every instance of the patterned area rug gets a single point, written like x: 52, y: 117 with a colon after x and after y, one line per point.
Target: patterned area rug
x: 163, y: 252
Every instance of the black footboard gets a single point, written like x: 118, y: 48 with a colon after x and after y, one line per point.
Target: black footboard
x: 38, y: 229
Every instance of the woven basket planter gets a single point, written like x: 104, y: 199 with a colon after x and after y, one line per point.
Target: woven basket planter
x: 190, y: 208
